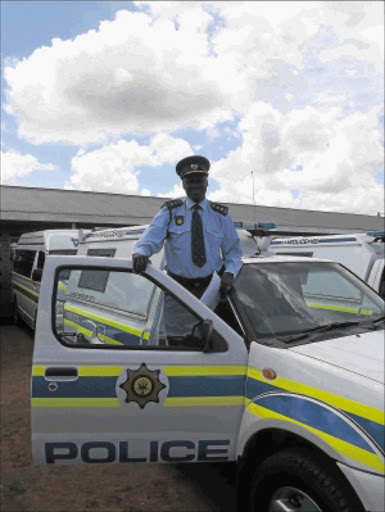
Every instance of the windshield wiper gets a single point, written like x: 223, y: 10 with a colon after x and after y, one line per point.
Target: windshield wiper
x: 319, y: 328
x: 373, y: 324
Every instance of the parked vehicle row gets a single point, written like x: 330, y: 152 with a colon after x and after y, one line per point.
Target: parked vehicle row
x: 285, y: 377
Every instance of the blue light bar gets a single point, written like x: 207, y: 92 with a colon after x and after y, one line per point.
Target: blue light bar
x: 255, y: 225
x: 266, y: 225
x: 376, y: 233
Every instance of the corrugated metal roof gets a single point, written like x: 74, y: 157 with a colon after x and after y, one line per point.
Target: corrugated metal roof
x: 45, y: 205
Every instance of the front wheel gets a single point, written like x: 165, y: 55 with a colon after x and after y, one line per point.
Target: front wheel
x: 299, y: 480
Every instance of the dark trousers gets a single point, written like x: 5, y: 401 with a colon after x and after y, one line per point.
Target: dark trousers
x: 178, y: 320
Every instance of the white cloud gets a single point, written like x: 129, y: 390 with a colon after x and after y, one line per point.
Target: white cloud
x: 133, y: 75
x: 115, y: 167
x: 177, y: 191
x: 330, y: 158
x: 15, y: 165
x: 180, y: 64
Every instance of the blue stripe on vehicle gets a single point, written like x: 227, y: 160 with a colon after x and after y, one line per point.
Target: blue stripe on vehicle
x: 314, y: 415
x: 375, y: 430
x: 83, y: 387
x: 256, y: 387
x: 216, y: 385
x: 105, y: 387
x: 127, y: 338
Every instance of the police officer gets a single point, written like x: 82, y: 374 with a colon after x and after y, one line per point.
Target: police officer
x: 199, y: 235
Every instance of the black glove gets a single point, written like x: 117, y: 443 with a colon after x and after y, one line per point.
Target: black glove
x: 227, y: 281
x: 139, y: 263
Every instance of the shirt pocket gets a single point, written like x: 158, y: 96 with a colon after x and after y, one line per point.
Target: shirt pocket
x: 179, y: 235
x: 214, y: 234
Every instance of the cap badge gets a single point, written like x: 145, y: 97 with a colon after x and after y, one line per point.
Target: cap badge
x: 179, y: 220
x: 194, y: 167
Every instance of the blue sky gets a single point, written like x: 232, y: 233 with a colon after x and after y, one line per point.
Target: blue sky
x: 108, y: 96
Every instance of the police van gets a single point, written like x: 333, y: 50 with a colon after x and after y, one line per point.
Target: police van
x: 27, y: 267
x: 286, y: 378
x: 363, y: 253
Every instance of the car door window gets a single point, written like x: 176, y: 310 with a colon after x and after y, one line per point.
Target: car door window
x: 128, y: 311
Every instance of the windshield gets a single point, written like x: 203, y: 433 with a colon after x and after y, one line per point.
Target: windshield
x: 289, y: 298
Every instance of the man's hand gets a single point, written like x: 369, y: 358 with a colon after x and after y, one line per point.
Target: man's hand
x: 227, y: 281
x: 139, y: 263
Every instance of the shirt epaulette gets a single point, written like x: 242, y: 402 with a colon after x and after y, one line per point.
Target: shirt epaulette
x: 174, y: 203
x: 220, y: 208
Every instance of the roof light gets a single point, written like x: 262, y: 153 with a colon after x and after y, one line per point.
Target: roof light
x: 255, y: 225
x: 376, y: 233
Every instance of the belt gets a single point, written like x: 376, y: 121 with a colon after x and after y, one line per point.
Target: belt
x: 195, y: 282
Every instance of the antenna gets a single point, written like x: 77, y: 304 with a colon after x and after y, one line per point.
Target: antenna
x: 255, y: 213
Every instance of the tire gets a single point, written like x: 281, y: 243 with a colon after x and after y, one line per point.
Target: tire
x: 15, y: 314
x: 300, y: 480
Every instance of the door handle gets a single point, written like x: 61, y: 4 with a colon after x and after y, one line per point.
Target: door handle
x: 61, y: 373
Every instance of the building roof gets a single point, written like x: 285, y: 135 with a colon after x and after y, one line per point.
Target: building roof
x: 98, y: 209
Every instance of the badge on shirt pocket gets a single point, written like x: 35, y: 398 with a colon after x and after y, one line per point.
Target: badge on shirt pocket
x: 179, y: 220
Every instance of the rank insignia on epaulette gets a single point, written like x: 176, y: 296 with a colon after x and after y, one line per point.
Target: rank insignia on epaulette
x: 179, y: 220
x: 220, y: 208
x: 174, y: 203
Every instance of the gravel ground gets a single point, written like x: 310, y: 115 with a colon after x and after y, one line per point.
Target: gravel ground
x: 83, y: 488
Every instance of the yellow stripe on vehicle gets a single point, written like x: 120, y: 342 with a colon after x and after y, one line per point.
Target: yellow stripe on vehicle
x: 75, y: 402
x: 353, y: 452
x: 38, y: 371
x: 62, y: 286
x: 25, y: 288
x: 340, y: 402
x: 332, y: 307
x: 25, y: 297
x: 87, y: 332
x: 182, y: 371
x: 107, y: 321
x: 212, y: 401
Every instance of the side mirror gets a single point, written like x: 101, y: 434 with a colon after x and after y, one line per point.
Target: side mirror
x: 36, y: 274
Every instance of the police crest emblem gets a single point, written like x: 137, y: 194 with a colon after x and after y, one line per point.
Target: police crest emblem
x: 142, y: 386
x: 179, y: 220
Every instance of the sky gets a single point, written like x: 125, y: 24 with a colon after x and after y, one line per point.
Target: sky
x: 286, y: 99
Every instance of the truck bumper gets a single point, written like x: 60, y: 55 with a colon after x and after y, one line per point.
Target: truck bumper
x: 369, y: 487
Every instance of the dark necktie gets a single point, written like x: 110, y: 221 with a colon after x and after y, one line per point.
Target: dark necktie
x: 198, y: 253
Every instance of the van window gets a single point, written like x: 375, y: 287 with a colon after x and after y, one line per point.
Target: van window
x: 92, y: 280
x: 64, y: 252
x: 23, y: 262
x: 96, y: 280
x: 106, y: 253
x: 115, y: 319
x: 40, y: 260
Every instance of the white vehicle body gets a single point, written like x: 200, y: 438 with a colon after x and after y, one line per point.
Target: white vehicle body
x: 362, y: 253
x: 237, y: 397
x: 30, y: 253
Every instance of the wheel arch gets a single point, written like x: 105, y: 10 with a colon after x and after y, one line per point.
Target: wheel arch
x: 268, y: 441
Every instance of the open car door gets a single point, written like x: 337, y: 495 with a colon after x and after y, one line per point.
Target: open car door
x: 131, y: 368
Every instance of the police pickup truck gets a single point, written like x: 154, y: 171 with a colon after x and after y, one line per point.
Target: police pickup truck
x: 285, y: 378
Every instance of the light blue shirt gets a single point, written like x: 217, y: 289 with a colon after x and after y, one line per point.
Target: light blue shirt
x: 222, y: 244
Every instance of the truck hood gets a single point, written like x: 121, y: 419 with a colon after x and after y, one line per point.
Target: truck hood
x: 362, y: 353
